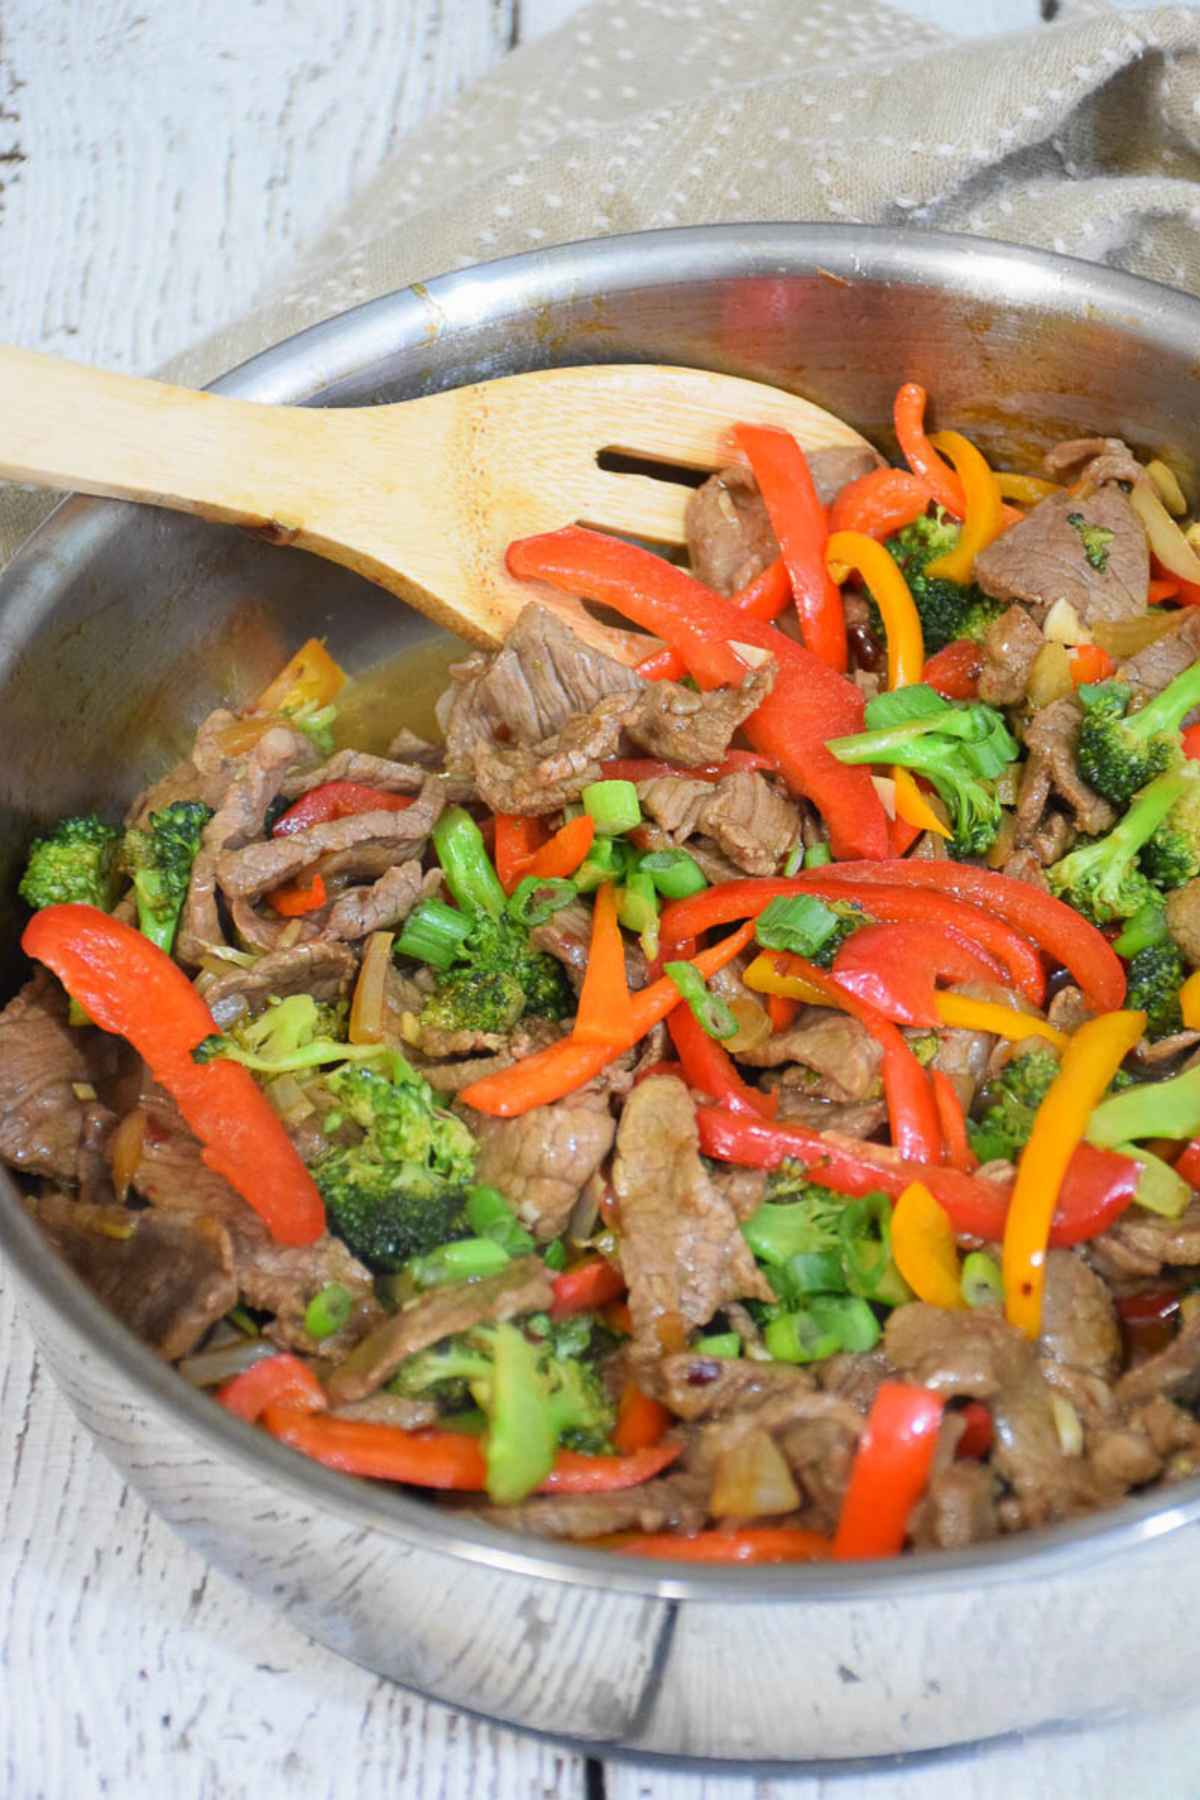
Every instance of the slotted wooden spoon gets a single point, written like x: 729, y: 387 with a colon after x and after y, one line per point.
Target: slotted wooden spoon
x: 421, y: 497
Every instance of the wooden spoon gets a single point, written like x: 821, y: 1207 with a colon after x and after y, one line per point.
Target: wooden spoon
x: 421, y: 497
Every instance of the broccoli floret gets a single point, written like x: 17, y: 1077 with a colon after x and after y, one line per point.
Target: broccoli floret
x: 77, y: 862
x: 316, y: 722
x: 960, y: 747
x: 1119, y: 751
x: 498, y: 980
x: 1002, y: 1131
x: 296, y: 1033
x: 401, y: 1190
x: 160, y: 860
x: 1154, y: 977
x: 1171, y: 855
x: 811, y: 1240
x: 1101, y: 879
x: 947, y: 609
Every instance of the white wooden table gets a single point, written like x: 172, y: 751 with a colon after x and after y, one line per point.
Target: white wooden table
x: 160, y: 165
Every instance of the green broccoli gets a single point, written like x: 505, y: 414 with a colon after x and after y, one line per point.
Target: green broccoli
x: 1171, y: 855
x: 1101, y: 879
x: 160, y: 860
x: 296, y: 1033
x: 947, y: 609
x: 1012, y: 1100
x: 77, y: 862
x: 534, y: 1394
x: 400, y: 1191
x: 960, y: 747
x: 1119, y: 751
x: 1095, y: 538
x: 316, y: 722
x: 1154, y: 977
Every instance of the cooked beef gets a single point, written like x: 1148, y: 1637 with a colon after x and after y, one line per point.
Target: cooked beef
x: 1069, y: 460
x: 340, y: 869
x: 1054, y: 836
x: 1025, y: 865
x: 1183, y: 920
x: 958, y: 1509
x: 855, y: 1376
x: 46, y: 1119
x: 389, y: 1409
x: 1079, y: 1321
x: 1010, y: 650
x: 1174, y: 1372
x: 1153, y: 668
x: 183, y: 782
x: 681, y: 1251
x: 853, y: 1118
x: 1045, y: 558
x: 567, y: 937
x: 675, y: 1502
x: 384, y: 905
x: 682, y: 726
x: 546, y: 776
x: 1050, y: 740
x: 1142, y: 1243
x: 1153, y: 1055
x: 964, y: 1055
x: 729, y: 535
x: 355, y: 765
x: 245, y: 873
x: 169, y: 1279
x: 816, y: 1432
x: 523, y: 1287
x: 528, y: 1036
x: 675, y: 803
x: 323, y: 970
x: 752, y: 821
x: 543, y: 677
x: 542, y: 1161
x: 744, y: 1189
x: 835, y: 1047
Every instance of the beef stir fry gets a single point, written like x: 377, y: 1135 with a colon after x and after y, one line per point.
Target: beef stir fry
x: 743, y: 1108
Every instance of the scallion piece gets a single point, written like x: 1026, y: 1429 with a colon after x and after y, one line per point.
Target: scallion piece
x: 817, y: 855
x: 865, y: 1229
x: 470, y: 1259
x: 472, y: 880
x: 433, y: 933
x: 798, y: 1338
x: 613, y: 805
x: 490, y: 1216
x: 533, y: 902
x: 603, y: 862
x: 723, y: 1344
x: 847, y: 1316
x: 801, y: 923
x: 816, y: 1272
x: 637, y: 909
x: 674, y: 873
x: 980, y: 1282
x: 328, y: 1311
x: 709, y: 1010
x: 555, y: 1256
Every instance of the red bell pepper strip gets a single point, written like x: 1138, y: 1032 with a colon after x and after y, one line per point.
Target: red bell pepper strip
x: 565, y: 851
x: 648, y: 768
x: 605, y: 1014
x: 129, y: 987
x: 1191, y: 743
x: 890, y: 1469
x: 1064, y: 935
x: 1187, y: 1163
x: 810, y: 702
x: 517, y: 838
x: 641, y: 1421
x: 665, y: 1067
x: 298, y: 897
x: 1098, y: 1186
x: 732, y: 900
x: 708, y: 1067
x: 574, y: 1472
x: 955, y: 670
x: 562, y: 1067
x: 337, y: 800
x: 908, y: 417
x: 979, y: 1433
x: 751, y: 1544
x: 781, y: 1011
x: 801, y: 528
x: 1165, y: 589
x: 896, y: 968
x: 959, y: 1153
x: 763, y: 598
x: 585, y: 1288
x: 880, y: 503
x: 1090, y: 663
x: 281, y: 1380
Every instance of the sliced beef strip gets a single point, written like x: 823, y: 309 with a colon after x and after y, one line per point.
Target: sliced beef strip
x: 958, y: 1509
x: 1142, y: 1243
x: 852, y: 1118
x: 45, y: 1127
x: 729, y: 535
x: 675, y: 803
x: 183, y: 782
x: 567, y: 936
x: 745, y: 1189
x: 528, y: 1036
x: 246, y: 872
x: 712, y: 1387
x: 1079, y: 1320
x: 169, y: 1279
x: 682, y: 726
x: 1153, y: 668
x: 675, y: 1502
x: 542, y: 1161
x: 834, y: 1046
x: 1025, y: 865
x: 681, y: 1250
x: 1050, y: 740
x: 356, y: 765
x: 964, y: 1055
x: 384, y: 905
x: 752, y: 822
x: 855, y: 1376
x: 323, y: 970
x: 1174, y: 1372
x: 523, y: 1287
x: 1183, y: 920
x: 389, y: 1409
x: 546, y: 776
x: 1043, y: 559
x: 1052, y: 839
x: 542, y: 677
x: 1010, y: 650
x: 1068, y: 460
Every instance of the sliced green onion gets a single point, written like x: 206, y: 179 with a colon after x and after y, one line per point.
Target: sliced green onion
x: 816, y: 1272
x: 328, y: 1311
x: 241, y: 1320
x: 555, y: 1256
x: 724, y: 1344
x: 981, y: 1283
x: 865, y: 1229
x: 674, y: 873
x: 797, y: 1338
x: 637, y: 909
x: 603, y: 862
x: 467, y: 1424
x: 533, y: 902
x: 1147, y: 927
x: 800, y: 923
x: 613, y: 805
x: 817, y: 855
x: 490, y: 1216
x: 433, y: 933
x: 795, y: 860
x: 460, y: 848
x: 470, y: 1259
x: 1159, y: 1189
x: 709, y: 1010
x: 849, y: 1317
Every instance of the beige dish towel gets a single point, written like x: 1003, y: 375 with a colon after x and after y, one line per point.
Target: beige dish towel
x: 1082, y: 137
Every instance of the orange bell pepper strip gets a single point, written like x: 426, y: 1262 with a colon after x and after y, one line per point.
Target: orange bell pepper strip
x: 281, y: 1380
x: 298, y: 898
x: 924, y: 1249
x: 1091, y: 1059
x: 1189, y: 1002
x: 890, y: 1469
x: 902, y: 623
x: 1028, y: 490
x: 880, y: 503
x: 751, y: 1544
x: 908, y: 417
x: 1090, y: 663
x: 561, y: 1068
x: 605, y: 1014
x: 984, y: 518
x: 590, y: 1285
x: 309, y: 678
x: 641, y: 1421
x: 955, y: 671
x: 764, y: 598
x: 913, y: 808
x: 561, y: 856
x: 959, y: 1153
x: 129, y: 987
x: 517, y: 838
x: 801, y: 528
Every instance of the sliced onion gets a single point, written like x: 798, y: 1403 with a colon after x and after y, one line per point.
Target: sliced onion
x: 367, y: 1009
x: 290, y: 1100
x: 1123, y: 638
x: 885, y: 787
x: 125, y: 1150
x: 1051, y: 676
x: 752, y: 1480
x: 1066, y: 1423
x: 211, y: 1367
x: 1166, y: 486
x: 1064, y: 626
x: 753, y: 1025
x: 1166, y: 540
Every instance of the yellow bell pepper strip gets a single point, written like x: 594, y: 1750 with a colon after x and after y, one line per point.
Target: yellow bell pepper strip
x: 848, y: 550
x: 1189, y: 1001
x: 1090, y: 1061
x: 984, y: 518
x: 1027, y: 490
x: 912, y: 806
x: 992, y: 1015
x: 764, y: 976
x: 924, y: 1250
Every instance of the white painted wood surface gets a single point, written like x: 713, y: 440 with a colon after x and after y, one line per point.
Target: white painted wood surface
x: 159, y: 167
